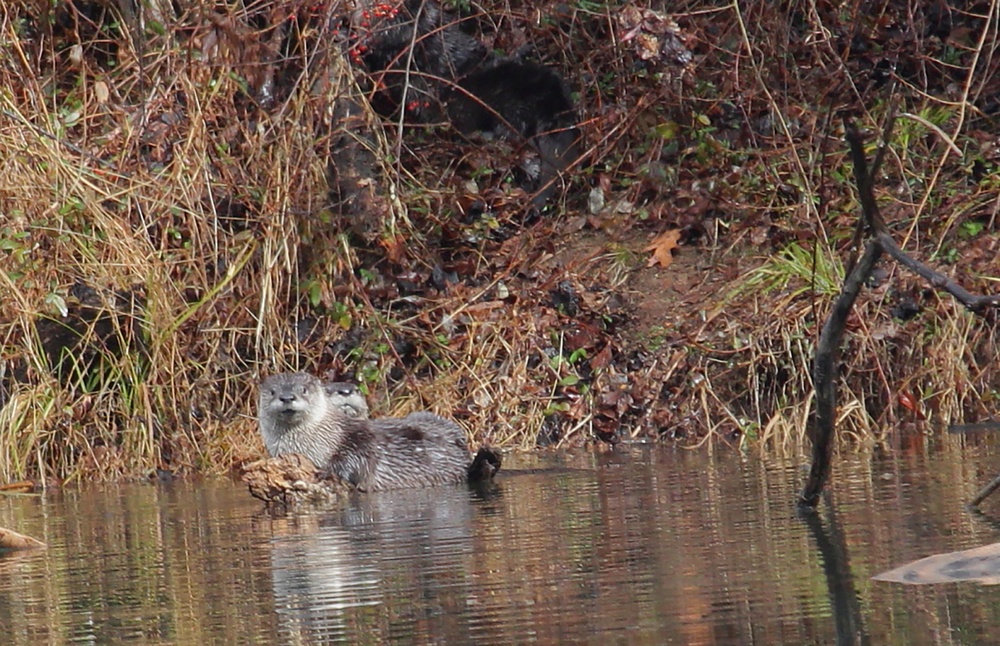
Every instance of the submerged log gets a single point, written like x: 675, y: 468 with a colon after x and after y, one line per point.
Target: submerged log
x: 11, y: 540
x: 985, y: 492
x: 979, y: 564
x: 21, y: 486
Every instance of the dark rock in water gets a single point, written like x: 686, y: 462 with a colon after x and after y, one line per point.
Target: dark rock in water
x: 980, y: 564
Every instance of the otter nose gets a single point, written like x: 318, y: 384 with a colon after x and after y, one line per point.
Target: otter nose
x: 286, y: 399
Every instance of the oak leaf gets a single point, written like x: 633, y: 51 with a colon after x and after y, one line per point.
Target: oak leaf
x: 662, y: 247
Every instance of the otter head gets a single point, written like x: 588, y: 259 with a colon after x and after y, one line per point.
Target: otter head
x: 289, y: 401
x: 347, y: 398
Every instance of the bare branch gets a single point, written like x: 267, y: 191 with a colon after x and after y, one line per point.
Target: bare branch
x: 937, y: 280
x: 871, y: 217
x: 825, y: 370
x: 825, y: 374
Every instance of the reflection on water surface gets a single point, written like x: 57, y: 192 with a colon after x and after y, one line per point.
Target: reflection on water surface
x: 646, y: 546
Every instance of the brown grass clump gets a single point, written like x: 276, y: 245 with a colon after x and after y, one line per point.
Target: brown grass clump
x: 177, y: 219
x: 151, y: 237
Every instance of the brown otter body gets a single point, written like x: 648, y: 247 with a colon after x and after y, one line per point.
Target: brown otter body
x: 418, y: 450
x: 298, y: 415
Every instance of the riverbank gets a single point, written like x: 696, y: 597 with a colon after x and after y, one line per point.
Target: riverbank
x: 169, y: 233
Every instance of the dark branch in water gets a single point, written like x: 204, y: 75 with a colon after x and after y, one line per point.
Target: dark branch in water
x: 825, y: 372
x: 985, y: 492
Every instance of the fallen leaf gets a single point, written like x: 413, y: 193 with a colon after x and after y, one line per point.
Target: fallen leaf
x: 101, y: 92
x: 909, y: 402
x: 662, y: 247
x: 602, y: 358
x: 395, y: 248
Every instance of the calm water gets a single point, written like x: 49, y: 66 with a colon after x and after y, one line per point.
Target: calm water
x: 640, y: 547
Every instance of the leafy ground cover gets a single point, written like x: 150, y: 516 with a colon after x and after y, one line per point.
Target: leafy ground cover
x: 169, y: 232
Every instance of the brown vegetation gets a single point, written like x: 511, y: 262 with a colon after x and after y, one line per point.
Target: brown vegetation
x: 171, y: 228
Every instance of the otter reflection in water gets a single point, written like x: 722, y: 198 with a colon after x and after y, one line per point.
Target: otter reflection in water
x: 298, y: 414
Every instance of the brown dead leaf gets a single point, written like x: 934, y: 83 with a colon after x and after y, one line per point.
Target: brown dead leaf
x: 662, y: 247
x: 395, y: 248
x: 602, y: 358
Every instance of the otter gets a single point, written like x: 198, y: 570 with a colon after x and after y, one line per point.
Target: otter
x: 511, y: 99
x: 422, y: 58
x: 412, y: 46
x: 347, y: 397
x: 297, y: 414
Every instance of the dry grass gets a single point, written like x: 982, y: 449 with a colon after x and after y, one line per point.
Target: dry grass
x: 196, y: 228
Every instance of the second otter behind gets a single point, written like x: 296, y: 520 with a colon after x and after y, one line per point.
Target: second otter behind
x: 300, y: 414
x: 347, y: 397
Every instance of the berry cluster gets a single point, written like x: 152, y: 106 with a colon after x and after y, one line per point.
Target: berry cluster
x: 360, y: 32
x: 417, y: 106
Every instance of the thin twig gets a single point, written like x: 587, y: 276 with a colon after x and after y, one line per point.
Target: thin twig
x: 59, y: 140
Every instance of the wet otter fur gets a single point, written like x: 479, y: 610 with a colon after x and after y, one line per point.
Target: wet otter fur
x: 297, y: 414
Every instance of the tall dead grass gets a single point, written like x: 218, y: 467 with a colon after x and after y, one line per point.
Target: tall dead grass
x: 188, y: 168
x: 150, y: 179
